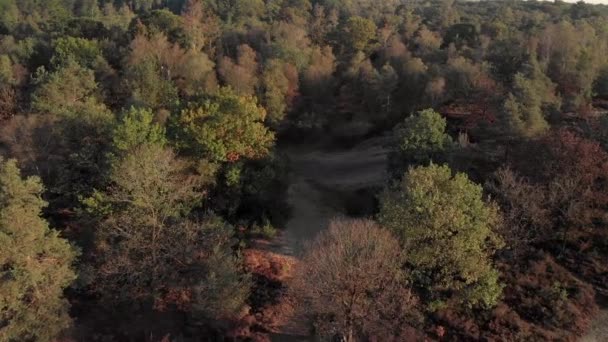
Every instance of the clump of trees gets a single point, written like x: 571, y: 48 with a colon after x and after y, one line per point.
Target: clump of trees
x: 559, y: 199
x: 149, y: 242
x: 152, y: 128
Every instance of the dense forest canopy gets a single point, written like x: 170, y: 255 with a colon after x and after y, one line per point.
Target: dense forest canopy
x: 146, y: 154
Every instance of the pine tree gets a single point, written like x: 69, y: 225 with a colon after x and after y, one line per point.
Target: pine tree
x: 532, y: 96
x: 35, y: 262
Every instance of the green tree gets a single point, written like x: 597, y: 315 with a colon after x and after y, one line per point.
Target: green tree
x: 165, y: 22
x: 148, y: 246
x: 66, y: 90
x: 524, y: 108
x: 462, y: 75
x: 276, y: 89
x: 447, y: 231
x: 528, y: 121
x: 86, y: 8
x: 224, y: 127
x: 148, y: 88
x: 84, y: 52
x: 69, y: 152
x: 6, y: 70
x: 383, y: 85
x: 248, y: 10
x: 35, y: 263
x: 9, y: 14
x: 137, y: 128
x: 290, y: 42
x: 420, y: 139
x: 222, y: 288
x: 79, y: 164
x: 359, y: 33
x: 81, y: 132
x: 573, y: 55
x: 317, y: 78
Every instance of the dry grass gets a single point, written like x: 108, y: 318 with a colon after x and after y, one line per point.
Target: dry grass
x: 272, y: 310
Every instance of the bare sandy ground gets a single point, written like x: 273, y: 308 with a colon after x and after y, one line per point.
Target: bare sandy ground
x: 317, y: 175
x: 599, y: 328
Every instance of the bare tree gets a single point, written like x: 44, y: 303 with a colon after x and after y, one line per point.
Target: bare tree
x: 350, y: 283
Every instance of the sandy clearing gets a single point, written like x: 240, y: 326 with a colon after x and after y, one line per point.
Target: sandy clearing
x: 599, y: 328
x: 318, y: 174
x: 315, y: 176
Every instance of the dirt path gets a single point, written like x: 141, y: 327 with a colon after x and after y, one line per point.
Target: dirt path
x: 320, y: 182
x: 599, y: 327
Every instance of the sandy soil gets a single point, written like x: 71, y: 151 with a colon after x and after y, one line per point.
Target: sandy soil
x: 599, y: 327
x: 319, y: 178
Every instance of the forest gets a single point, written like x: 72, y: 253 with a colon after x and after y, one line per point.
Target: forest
x: 303, y: 170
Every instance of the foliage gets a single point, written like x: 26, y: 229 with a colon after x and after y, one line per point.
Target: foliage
x: 36, y: 264
x: 448, y: 233
x: 420, y: 139
x: 279, y: 80
x: 459, y: 34
x: 79, y: 162
x: 65, y: 91
x: 317, y: 79
x: 88, y: 88
x: 527, y: 105
x: 135, y: 129
x: 84, y: 52
x: 241, y: 76
x: 165, y: 22
x: 567, y: 187
x: 359, y: 32
x: 290, y: 43
x: 351, y: 283
x: 200, y: 23
x: 146, y: 243
x: 225, y: 127
x: 601, y: 84
x: 186, y: 69
x: 254, y: 191
x: 525, y: 214
x: 6, y: 70
x: 573, y: 57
